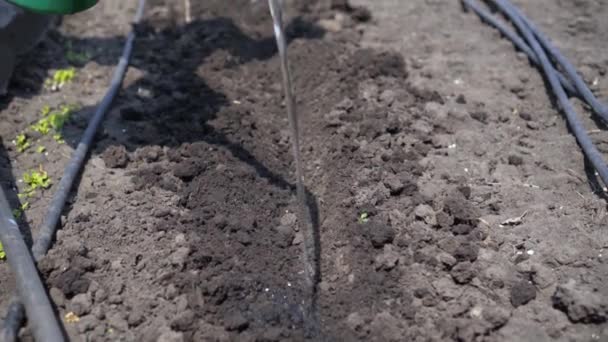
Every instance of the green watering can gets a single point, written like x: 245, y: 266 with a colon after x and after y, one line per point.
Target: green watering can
x: 55, y: 6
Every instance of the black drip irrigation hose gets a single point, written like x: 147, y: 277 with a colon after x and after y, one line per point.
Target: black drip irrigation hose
x: 26, y: 273
x: 599, y: 108
x: 45, y: 326
x: 515, y: 39
x: 589, y: 149
x: 579, y: 88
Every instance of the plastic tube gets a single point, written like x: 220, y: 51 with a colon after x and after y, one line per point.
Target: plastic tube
x: 599, y: 108
x: 49, y: 226
x: 589, y: 149
x: 45, y: 326
x: 516, y: 40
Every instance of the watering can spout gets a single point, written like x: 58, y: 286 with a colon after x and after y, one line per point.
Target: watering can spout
x: 55, y: 6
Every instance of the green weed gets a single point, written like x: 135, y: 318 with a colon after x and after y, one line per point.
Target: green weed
x: 46, y: 109
x: 22, y: 142
x: 58, y: 138
x: 17, y: 213
x: 53, y: 119
x: 43, y: 126
x: 60, y: 78
x: 36, y: 180
x: 363, y: 218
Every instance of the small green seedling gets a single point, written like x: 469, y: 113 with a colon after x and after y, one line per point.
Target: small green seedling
x: 40, y: 149
x: 58, y: 138
x: 74, y: 57
x: 21, y: 142
x: 53, y: 119
x: 36, y: 180
x: 45, y: 110
x: 363, y: 218
x: 19, y: 212
x: 42, y: 126
x: 60, y: 78
x: 2, y: 253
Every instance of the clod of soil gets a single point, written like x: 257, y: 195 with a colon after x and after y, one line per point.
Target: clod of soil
x: 580, y: 304
x: 380, y: 234
x: 115, y: 157
x: 463, y: 272
x: 522, y: 293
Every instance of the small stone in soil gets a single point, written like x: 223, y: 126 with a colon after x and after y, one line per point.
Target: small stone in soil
x: 522, y: 293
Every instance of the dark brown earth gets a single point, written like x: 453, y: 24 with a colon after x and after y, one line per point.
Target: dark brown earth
x: 452, y: 203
